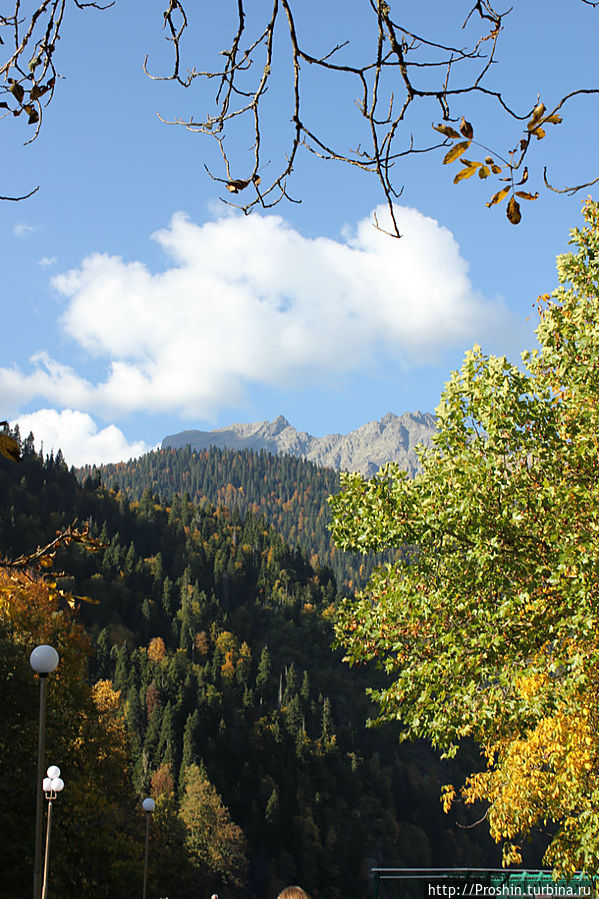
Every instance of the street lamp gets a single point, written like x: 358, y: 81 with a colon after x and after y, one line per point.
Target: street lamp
x: 43, y: 660
x: 148, y: 806
x: 53, y: 785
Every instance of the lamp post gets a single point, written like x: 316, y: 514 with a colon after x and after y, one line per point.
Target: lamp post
x: 148, y: 806
x: 43, y: 660
x: 53, y: 784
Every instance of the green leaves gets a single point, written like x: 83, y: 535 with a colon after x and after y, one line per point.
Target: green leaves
x: 487, y: 623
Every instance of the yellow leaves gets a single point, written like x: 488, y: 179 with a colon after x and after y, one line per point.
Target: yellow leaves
x: 511, y: 855
x: 19, y: 592
x: 6, y: 595
x: 226, y: 642
x: 531, y: 684
x: 545, y: 775
x: 9, y: 448
x: 227, y: 669
x: 456, y: 151
x: 499, y: 196
x: 466, y: 129
x: 447, y: 131
x: 539, y: 118
x: 534, y: 127
x: 496, y: 169
x: 537, y: 115
x: 110, y: 741
x: 448, y: 794
x: 156, y: 649
x: 468, y: 170
x: 106, y: 698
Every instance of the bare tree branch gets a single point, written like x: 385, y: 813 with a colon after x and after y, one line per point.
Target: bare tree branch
x: 27, y: 72
x: 570, y: 191
x: 395, y: 77
x: 403, y: 70
x: 23, y: 196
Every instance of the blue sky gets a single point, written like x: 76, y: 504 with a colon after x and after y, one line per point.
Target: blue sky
x: 136, y: 304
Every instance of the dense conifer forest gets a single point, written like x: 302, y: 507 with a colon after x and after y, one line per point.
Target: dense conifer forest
x: 289, y: 492
x: 201, y: 673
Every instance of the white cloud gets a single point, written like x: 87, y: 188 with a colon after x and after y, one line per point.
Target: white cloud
x: 23, y: 230
x: 47, y: 261
x: 250, y: 300
x: 77, y: 435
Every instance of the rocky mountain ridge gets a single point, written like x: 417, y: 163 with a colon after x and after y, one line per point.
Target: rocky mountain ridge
x: 392, y: 438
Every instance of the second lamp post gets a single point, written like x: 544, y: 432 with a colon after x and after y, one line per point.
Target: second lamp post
x: 53, y: 784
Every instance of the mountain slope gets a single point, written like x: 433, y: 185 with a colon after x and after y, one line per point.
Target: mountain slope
x: 391, y: 439
x: 289, y: 492
x: 217, y: 636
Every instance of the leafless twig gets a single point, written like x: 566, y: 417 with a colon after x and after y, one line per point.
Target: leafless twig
x: 267, y: 47
x: 27, y: 71
x: 397, y: 75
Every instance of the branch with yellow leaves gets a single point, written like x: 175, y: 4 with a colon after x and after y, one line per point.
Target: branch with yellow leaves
x: 43, y: 556
x: 404, y: 68
x: 510, y: 167
x: 9, y: 447
x: 268, y: 53
x: 42, y: 559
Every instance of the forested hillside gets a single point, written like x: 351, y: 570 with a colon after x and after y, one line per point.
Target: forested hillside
x: 288, y: 491
x: 213, y: 642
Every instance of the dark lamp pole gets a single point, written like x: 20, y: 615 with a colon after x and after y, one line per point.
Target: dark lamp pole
x: 53, y: 784
x: 148, y: 806
x: 43, y: 660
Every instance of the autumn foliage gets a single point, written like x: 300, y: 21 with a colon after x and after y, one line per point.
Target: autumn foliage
x: 96, y: 840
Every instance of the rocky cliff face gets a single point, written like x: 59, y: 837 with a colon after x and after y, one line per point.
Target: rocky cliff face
x: 392, y: 439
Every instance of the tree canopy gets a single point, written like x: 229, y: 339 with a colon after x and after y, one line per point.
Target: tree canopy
x: 272, y: 48
x: 488, y: 626
x: 215, y: 691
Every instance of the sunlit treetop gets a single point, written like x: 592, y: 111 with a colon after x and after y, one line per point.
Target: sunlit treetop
x: 487, y: 624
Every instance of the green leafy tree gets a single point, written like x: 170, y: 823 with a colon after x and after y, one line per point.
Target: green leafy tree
x: 248, y: 741
x: 487, y: 626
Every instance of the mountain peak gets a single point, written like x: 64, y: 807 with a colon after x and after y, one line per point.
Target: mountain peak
x: 393, y: 438
x: 279, y: 424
